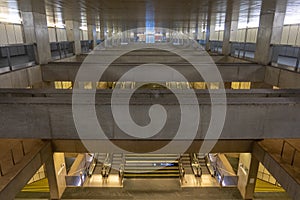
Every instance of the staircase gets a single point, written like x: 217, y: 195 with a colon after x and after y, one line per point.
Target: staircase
x: 117, y: 160
x: 151, y: 166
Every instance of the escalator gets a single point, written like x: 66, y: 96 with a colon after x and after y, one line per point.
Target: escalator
x: 100, y: 160
x: 199, y: 164
x: 151, y: 166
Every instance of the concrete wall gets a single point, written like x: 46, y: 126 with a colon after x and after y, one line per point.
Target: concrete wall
x: 11, y: 34
x: 58, y: 35
x: 282, y: 78
x: 291, y: 35
x: 21, y: 78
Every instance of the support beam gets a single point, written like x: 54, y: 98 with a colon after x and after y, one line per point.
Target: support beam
x: 260, y: 114
x: 73, y: 35
x: 56, y: 172
x: 222, y: 146
x: 239, y: 72
x: 23, y: 169
x: 270, y: 29
x: 33, y: 14
x: 268, y: 152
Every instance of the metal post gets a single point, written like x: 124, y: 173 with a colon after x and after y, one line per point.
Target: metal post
x: 23, y: 149
x: 12, y: 156
x: 281, y: 154
x: 59, y: 50
x: 8, y: 59
x: 1, y: 173
x: 293, y: 158
x: 298, y: 61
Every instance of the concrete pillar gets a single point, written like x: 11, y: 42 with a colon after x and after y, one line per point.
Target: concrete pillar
x: 270, y: 29
x: 102, y: 31
x: 73, y: 34
x: 208, y: 31
x: 231, y: 24
x: 208, y: 26
x: 247, y: 173
x: 92, y: 35
x: 35, y: 28
x: 56, y: 172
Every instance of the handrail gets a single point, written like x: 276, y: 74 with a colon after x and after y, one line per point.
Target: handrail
x: 10, y: 56
x: 196, y: 166
x: 16, y: 45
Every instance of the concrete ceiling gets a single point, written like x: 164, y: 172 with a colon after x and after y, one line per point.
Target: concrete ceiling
x: 128, y: 14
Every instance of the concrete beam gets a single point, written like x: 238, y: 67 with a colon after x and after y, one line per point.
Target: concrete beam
x: 249, y: 116
x: 21, y: 78
x: 143, y: 146
x: 19, y: 174
x: 230, y: 72
x: 282, y: 78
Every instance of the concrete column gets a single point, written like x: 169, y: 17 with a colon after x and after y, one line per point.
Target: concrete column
x: 35, y: 28
x: 270, y: 29
x: 210, y: 26
x: 247, y: 172
x: 92, y: 35
x: 73, y: 34
x: 208, y: 31
x: 231, y: 24
x: 56, y: 172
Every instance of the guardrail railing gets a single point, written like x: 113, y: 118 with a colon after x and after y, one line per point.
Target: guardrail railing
x: 17, y: 56
x: 60, y: 50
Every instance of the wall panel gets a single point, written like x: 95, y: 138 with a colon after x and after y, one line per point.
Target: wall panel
x: 3, y: 35
x: 10, y: 34
x: 52, y: 37
x: 19, y: 34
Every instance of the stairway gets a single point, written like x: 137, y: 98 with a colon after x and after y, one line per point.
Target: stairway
x: 117, y: 160
x: 186, y: 163
x: 151, y: 166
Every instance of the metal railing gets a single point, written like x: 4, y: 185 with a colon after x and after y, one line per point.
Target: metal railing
x: 243, y: 50
x: 216, y: 46
x: 86, y: 46
x: 17, y: 56
x: 60, y: 50
x: 290, y: 154
x: 196, y: 166
x: 286, y: 56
